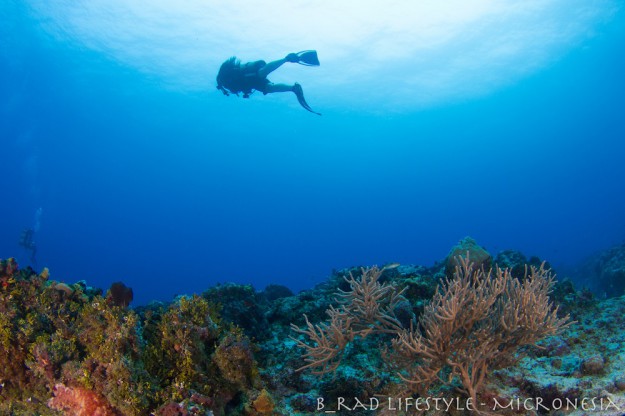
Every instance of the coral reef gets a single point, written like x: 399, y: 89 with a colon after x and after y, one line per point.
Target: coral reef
x: 476, y: 322
x: 65, y: 349
x: 585, y: 362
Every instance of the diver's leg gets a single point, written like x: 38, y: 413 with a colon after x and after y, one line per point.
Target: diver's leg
x: 269, y: 88
x: 295, y: 88
x: 270, y: 67
x: 273, y: 65
x: 299, y: 93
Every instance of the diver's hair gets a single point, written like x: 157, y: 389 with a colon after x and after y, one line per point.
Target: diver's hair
x: 227, y: 75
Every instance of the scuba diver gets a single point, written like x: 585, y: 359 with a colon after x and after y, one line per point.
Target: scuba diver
x: 26, y: 241
x: 234, y: 77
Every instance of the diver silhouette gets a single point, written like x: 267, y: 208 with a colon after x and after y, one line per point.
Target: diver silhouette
x: 235, y: 78
x: 26, y: 241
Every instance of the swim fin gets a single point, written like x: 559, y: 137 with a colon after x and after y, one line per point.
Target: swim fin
x: 308, y: 58
x: 299, y: 93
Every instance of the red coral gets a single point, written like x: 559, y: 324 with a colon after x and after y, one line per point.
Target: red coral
x: 78, y: 401
x: 7, y: 269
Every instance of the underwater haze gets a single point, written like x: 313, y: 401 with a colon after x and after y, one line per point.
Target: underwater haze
x: 499, y: 120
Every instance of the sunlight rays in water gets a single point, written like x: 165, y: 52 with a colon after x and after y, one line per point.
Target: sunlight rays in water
x: 408, y: 55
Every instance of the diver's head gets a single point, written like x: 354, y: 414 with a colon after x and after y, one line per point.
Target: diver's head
x: 227, y: 73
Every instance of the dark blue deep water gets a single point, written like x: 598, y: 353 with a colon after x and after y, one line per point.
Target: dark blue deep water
x: 147, y: 174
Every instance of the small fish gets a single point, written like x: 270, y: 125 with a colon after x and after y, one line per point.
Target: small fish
x: 390, y: 266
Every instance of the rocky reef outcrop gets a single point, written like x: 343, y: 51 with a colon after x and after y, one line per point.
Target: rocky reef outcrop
x: 604, y: 272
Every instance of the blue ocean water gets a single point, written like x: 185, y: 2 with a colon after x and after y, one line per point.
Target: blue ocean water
x: 171, y: 188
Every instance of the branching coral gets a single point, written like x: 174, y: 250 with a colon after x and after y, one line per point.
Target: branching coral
x: 367, y: 308
x: 475, y: 323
